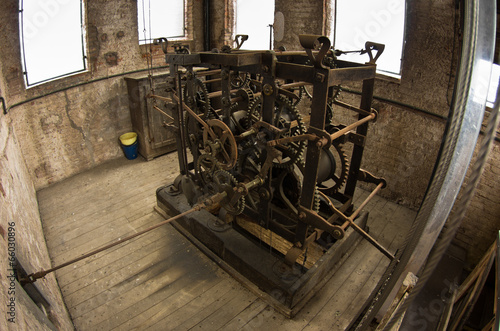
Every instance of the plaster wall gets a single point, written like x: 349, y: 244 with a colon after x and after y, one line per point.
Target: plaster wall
x: 22, y: 239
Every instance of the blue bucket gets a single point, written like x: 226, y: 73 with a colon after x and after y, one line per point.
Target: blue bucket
x: 130, y: 150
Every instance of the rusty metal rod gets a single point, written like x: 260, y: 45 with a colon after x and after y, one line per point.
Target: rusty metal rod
x: 161, y: 111
x: 294, y: 84
x: 349, y: 221
x: 208, y: 72
x: 353, y: 126
x: 194, y: 115
x: 371, y: 240
x: 218, y: 94
x: 237, y: 99
x: 351, y: 107
x: 215, y: 80
x: 159, y: 97
x: 209, y: 202
x: 368, y: 198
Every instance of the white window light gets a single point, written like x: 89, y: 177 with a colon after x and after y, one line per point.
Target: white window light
x: 160, y: 18
x: 381, y: 21
x: 253, y: 18
x: 52, y: 39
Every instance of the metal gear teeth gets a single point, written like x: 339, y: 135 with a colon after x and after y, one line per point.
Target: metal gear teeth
x: 240, y: 205
x: 255, y: 115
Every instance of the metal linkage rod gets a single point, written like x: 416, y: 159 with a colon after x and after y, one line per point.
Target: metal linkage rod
x: 31, y: 278
x: 353, y: 126
x: 294, y: 84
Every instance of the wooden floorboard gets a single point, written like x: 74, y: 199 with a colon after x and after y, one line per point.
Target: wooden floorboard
x: 160, y: 281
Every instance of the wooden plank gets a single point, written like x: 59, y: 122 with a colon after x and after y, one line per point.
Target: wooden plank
x: 227, y: 312
x: 170, y: 276
x: 244, y: 317
x: 314, y: 251
x: 94, y: 262
x: 158, y: 306
x: 97, y: 187
x: 88, y: 243
x: 173, y: 318
x: 155, y: 266
x: 319, y: 302
x: 98, y: 190
x: 91, y: 210
x: 80, y: 224
x: 197, y: 309
x: 143, y: 254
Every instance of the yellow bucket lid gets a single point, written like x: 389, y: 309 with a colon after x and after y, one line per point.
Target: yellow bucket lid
x: 128, y: 138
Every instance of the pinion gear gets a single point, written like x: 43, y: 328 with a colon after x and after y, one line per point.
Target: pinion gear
x: 285, y: 117
x: 225, y: 182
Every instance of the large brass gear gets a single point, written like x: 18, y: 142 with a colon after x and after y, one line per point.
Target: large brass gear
x: 285, y: 117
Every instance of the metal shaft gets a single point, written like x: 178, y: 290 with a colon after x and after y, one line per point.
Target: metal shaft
x: 40, y: 274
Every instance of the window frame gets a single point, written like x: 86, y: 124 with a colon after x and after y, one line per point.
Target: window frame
x: 235, y: 24
x: 149, y: 39
x: 84, y: 59
x: 381, y: 74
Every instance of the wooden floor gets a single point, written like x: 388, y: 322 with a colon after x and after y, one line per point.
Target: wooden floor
x: 160, y: 281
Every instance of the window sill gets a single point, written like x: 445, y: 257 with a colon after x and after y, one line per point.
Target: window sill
x: 396, y: 79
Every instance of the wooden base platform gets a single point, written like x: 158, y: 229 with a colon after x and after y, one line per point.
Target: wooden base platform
x: 161, y: 281
x: 289, y: 287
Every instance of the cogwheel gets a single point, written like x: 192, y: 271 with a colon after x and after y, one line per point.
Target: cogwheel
x: 206, y: 165
x: 334, y: 93
x: 285, y: 115
x: 304, y: 91
x: 317, y: 200
x: 338, y: 178
x: 248, y: 98
x: 239, y: 79
x: 225, y: 182
x: 199, y: 102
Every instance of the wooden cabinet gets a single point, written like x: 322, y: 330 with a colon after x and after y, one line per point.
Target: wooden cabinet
x: 154, y: 139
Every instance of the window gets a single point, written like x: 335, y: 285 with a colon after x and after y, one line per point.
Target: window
x: 381, y: 21
x: 52, y: 39
x: 253, y: 18
x: 160, y: 18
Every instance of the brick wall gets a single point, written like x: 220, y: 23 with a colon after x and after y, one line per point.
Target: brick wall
x: 69, y: 131
x: 21, y: 236
x: 403, y: 143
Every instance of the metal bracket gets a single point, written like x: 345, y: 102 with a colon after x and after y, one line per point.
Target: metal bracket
x: 312, y: 218
x: 163, y: 42
x: 369, y: 46
x: 356, y: 139
x: 239, y: 40
x: 310, y: 42
x: 367, y: 177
